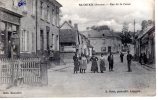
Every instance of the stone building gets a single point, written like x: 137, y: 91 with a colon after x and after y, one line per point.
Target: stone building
x: 104, y: 41
x: 38, y: 29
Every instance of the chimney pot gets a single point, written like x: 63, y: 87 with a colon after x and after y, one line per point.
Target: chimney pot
x: 76, y: 26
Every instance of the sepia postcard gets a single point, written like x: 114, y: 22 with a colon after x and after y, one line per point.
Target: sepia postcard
x: 77, y: 48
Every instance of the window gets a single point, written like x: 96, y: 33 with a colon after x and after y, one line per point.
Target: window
x: 41, y: 10
x: 52, y: 38
x: 24, y: 41
x: 48, y: 14
x: 57, y: 16
x: 103, y: 49
x: 53, y: 16
x: 56, y: 45
x: 47, y: 40
x: 33, y: 42
x: 33, y: 7
x: 104, y: 41
x: 41, y: 40
x: 24, y: 7
x: 15, y: 3
x: 109, y: 48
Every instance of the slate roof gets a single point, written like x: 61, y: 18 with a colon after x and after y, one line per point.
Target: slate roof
x: 66, y: 23
x: 68, y: 36
x: 145, y: 31
x: 100, y: 34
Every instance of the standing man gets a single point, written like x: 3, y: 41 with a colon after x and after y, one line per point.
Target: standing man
x: 111, y: 62
x: 141, y: 59
x: 129, y: 59
x: 76, y: 63
x: 121, y: 57
x: 144, y: 58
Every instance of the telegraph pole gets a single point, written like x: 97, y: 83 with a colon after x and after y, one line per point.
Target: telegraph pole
x: 134, y: 26
x: 134, y: 40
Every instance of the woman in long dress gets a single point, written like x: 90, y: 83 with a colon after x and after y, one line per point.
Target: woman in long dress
x: 84, y: 64
x: 94, y: 66
x: 102, y: 64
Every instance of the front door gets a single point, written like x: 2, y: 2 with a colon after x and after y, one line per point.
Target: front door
x: 109, y: 48
x: 41, y: 41
x: 9, y: 44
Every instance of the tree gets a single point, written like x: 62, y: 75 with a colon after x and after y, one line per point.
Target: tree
x: 144, y: 24
x: 125, y: 36
x: 100, y: 28
x: 125, y: 28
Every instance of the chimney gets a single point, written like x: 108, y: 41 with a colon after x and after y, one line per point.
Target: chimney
x: 70, y: 22
x: 76, y: 26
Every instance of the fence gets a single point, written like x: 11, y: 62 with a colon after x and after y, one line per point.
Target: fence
x: 23, y: 70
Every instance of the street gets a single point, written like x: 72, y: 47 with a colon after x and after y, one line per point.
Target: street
x: 62, y: 82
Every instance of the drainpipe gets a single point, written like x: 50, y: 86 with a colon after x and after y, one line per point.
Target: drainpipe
x: 36, y: 25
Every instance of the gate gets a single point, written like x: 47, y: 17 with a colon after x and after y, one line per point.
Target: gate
x: 23, y: 70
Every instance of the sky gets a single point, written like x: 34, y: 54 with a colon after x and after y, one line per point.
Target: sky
x: 112, y: 15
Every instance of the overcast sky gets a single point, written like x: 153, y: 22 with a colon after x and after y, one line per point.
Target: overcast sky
x: 113, y: 16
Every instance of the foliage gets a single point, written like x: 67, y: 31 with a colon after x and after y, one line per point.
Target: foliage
x: 125, y: 36
x: 100, y: 28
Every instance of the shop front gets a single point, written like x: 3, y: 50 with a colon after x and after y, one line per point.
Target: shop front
x: 9, y: 33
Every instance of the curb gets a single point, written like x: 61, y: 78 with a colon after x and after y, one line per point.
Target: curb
x: 149, y: 66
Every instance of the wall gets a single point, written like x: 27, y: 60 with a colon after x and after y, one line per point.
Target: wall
x: 98, y: 43
x: 42, y: 23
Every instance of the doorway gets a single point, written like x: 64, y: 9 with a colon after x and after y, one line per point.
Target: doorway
x: 41, y: 41
x: 109, y: 48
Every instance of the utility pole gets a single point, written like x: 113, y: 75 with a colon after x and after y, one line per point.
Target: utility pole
x: 134, y: 40
x: 134, y: 26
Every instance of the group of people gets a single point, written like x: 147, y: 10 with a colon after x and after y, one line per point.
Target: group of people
x: 129, y: 60
x: 80, y: 63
